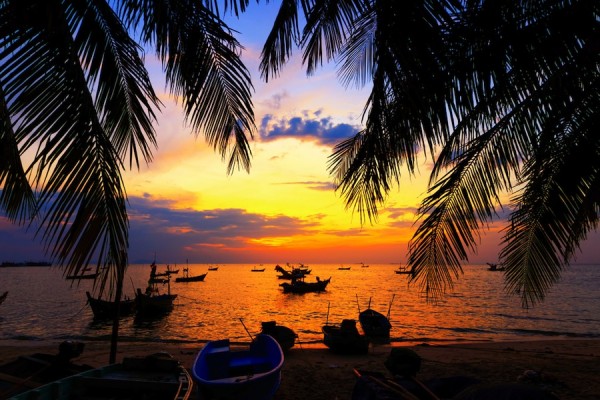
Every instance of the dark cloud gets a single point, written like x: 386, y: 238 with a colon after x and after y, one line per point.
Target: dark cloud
x: 308, y: 126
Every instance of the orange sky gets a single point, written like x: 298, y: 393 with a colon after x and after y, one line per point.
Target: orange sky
x: 184, y: 205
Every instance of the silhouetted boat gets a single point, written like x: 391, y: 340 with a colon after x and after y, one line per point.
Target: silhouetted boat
x: 403, y: 270
x: 154, y: 377
x: 3, y: 297
x: 345, y: 338
x: 83, y: 276
x: 285, y: 336
x: 495, y: 267
x: 249, y: 374
x: 258, y: 269
x: 292, y: 273
x: 375, y: 325
x: 213, y: 268
x: 300, y: 286
x: 344, y: 268
x: 187, y: 278
x: 104, y: 309
x: 151, y: 302
x: 34, y: 370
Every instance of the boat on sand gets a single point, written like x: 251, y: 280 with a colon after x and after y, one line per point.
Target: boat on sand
x: 245, y: 374
x: 155, y: 377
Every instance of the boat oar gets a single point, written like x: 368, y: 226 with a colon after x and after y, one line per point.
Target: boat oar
x: 327, y: 319
x: 247, y: 331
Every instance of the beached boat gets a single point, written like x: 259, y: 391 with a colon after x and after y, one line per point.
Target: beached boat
x: 3, y: 297
x: 155, y: 377
x: 285, y: 336
x: 300, y: 286
x: 345, y: 338
x: 30, y: 371
x: 375, y: 325
x: 247, y: 374
x: 187, y: 278
x: 104, y: 309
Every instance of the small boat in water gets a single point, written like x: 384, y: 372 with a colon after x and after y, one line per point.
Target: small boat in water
x: 247, y: 374
x: 403, y: 270
x: 495, y: 267
x: 285, y: 336
x: 3, y: 297
x: 299, y: 286
x: 213, y: 268
x: 155, y: 377
x: 255, y: 269
x: 104, y: 309
x: 152, y: 302
x: 187, y: 278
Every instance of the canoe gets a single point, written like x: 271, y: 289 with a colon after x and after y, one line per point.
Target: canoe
x: 154, y: 377
x: 345, y: 338
x: 247, y: 374
x: 375, y: 325
x: 108, y: 309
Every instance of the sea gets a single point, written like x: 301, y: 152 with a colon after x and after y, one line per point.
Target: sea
x: 233, y: 301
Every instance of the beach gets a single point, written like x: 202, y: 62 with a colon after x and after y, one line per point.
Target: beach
x: 567, y: 368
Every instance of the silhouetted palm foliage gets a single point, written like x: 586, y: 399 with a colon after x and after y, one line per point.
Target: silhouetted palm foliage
x: 77, y: 106
x: 503, y: 95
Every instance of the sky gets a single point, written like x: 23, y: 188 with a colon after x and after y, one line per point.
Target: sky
x: 184, y: 205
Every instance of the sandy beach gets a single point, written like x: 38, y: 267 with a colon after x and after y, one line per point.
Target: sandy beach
x: 567, y: 368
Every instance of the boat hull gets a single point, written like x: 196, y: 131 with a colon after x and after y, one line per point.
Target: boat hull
x: 155, y: 377
x: 108, y: 309
x: 345, y: 339
x: 375, y: 325
x: 150, y: 305
x: 253, y: 374
x: 197, y: 278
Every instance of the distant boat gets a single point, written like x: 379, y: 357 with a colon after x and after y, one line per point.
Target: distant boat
x: 495, y: 267
x: 3, y: 297
x: 187, y: 278
x: 375, y: 325
x: 293, y: 273
x: 300, y: 286
x: 154, y: 377
x: 249, y: 374
x: 104, y: 309
x: 344, y: 268
x: 83, y: 276
x: 403, y: 270
x: 285, y: 336
x: 255, y: 269
x: 363, y: 265
x: 213, y: 268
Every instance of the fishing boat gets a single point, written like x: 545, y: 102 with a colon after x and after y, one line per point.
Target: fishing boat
x: 104, y: 309
x: 155, y: 377
x: 403, y: 270
x: 494, y: 267
x: 344, y: 268
x: 152, y: 302
x: 255, y: 269
x: 3, y: 297
x: 34, y: 370
x: 246, y: 374
x: 285, y: 336
x: 292, y: 273
x: 375, y: 325
x: 300, y: 286
x: 345, y: 338
x: 213, y: 268
x: 187, y: 278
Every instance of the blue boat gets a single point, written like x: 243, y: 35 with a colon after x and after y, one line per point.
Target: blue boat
x: 246, y: 374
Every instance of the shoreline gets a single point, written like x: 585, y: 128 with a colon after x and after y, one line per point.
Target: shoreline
x: 569, y: 368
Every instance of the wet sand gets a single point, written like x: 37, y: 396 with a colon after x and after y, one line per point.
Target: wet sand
x: 570, y: 369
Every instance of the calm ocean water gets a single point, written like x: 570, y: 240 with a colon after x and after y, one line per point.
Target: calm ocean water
x: 42, y: 305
